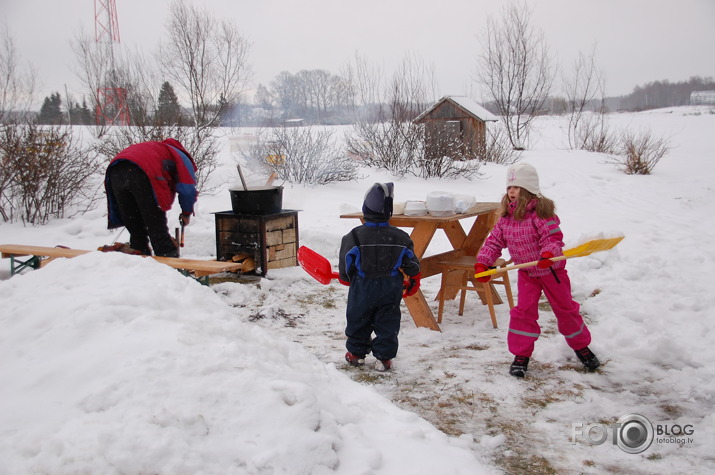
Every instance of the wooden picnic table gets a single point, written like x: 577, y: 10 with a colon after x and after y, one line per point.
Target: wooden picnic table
x: 463, y: 243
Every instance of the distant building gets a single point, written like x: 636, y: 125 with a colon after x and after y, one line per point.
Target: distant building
x: 455, y: 126
x: 702, y: 98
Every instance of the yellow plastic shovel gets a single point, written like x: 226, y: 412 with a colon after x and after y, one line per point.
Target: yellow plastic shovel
x: 584, y: 249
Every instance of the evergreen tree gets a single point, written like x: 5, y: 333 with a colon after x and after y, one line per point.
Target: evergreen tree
x: 169, y: 110
x: 85, y: 114
x: 81, y: 115
x: 224, y: 114
x: 51, y: 111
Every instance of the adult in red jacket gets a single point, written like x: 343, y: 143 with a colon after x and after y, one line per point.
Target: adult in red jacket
x: 141, y: 183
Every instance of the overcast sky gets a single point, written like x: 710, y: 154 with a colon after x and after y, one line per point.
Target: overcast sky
x: 638, y: 41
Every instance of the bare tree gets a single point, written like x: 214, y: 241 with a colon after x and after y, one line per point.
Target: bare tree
x: 285, y: 92
x: 516, y: 69
x: 364, y: 82
x: 314, y: 95
x: 17, y: 84
x: 207, y: 58
x: 585, y: 97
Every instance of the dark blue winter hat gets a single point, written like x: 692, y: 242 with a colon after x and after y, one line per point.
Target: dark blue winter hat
x: 378, y: 202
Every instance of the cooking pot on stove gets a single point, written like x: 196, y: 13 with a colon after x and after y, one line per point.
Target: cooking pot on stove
x: 257, y: 200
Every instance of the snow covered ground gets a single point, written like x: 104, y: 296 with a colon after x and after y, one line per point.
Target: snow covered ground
x: 114, y: 364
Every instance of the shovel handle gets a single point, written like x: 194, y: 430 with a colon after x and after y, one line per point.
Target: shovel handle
x: 585, y: 249
x: 500, y: 270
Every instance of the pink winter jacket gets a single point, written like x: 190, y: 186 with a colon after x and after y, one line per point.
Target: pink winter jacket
x: 526, y: 240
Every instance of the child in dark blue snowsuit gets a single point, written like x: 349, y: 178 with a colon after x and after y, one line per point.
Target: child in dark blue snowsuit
x: 371, y: 258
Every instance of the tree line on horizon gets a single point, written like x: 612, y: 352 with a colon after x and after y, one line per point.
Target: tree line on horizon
x: 318, y: 97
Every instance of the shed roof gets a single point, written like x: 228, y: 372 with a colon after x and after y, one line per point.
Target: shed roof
x: 466, y: 104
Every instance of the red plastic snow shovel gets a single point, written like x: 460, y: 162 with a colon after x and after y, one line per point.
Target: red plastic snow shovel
x: 316, y: 265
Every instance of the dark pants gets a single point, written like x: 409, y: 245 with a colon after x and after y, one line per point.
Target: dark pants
x: 374, y: 306
x: 140, y: 213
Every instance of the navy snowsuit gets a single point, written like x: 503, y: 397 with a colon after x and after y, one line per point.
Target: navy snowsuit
x: 371, y: 257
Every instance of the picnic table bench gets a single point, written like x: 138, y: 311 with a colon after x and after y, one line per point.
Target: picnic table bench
x: 41, y: 255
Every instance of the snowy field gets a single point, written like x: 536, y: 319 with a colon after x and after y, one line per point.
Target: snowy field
x: 114, y: 364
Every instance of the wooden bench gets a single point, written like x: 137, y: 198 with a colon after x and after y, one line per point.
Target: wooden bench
x: 41, y: 256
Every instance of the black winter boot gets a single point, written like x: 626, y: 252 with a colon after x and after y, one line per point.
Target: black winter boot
x: 519, y: 366
x: 588, y: 359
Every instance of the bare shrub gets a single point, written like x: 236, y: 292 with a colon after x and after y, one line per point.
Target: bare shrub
x: 394, y: 145
x: 593, y: 134
x: 497, y: 148
x: 640, y: 152
x: 307, y: 155
x: 45, y: 174
x: 446, y: 160
x: 447, y: 167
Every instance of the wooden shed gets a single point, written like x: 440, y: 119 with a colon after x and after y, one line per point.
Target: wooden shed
x: 455, y: 126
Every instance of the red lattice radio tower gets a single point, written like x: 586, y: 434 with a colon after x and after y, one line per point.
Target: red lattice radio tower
x: 111, y: 101
x: 106, y: 23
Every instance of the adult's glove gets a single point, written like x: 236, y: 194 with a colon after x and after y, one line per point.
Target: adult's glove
x: 479, y: 267
x: 411, y: 285
x: 545, y: 261
x: 185, y: 218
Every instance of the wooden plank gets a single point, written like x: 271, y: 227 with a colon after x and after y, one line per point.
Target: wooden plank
x: 420, y: 312
x: 430, y: 266
x: 455, y: 233
x: 21, y: 250
x: 479, y: 231
x: 213, y: 267
x: 452, y: 281
x: 199, y: 266
x: 421, y: 236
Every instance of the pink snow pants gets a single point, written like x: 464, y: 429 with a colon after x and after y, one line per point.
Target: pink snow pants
x: 524, y: 328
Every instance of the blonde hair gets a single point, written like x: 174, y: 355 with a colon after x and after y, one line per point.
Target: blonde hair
x: 545, y: 208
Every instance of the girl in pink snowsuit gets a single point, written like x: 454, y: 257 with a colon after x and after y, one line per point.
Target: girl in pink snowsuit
x: 529, y: 229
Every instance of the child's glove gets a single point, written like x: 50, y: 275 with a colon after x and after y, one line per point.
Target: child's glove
x: 545, y: 262
x: 411, y: 285
x: 479, y: 267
